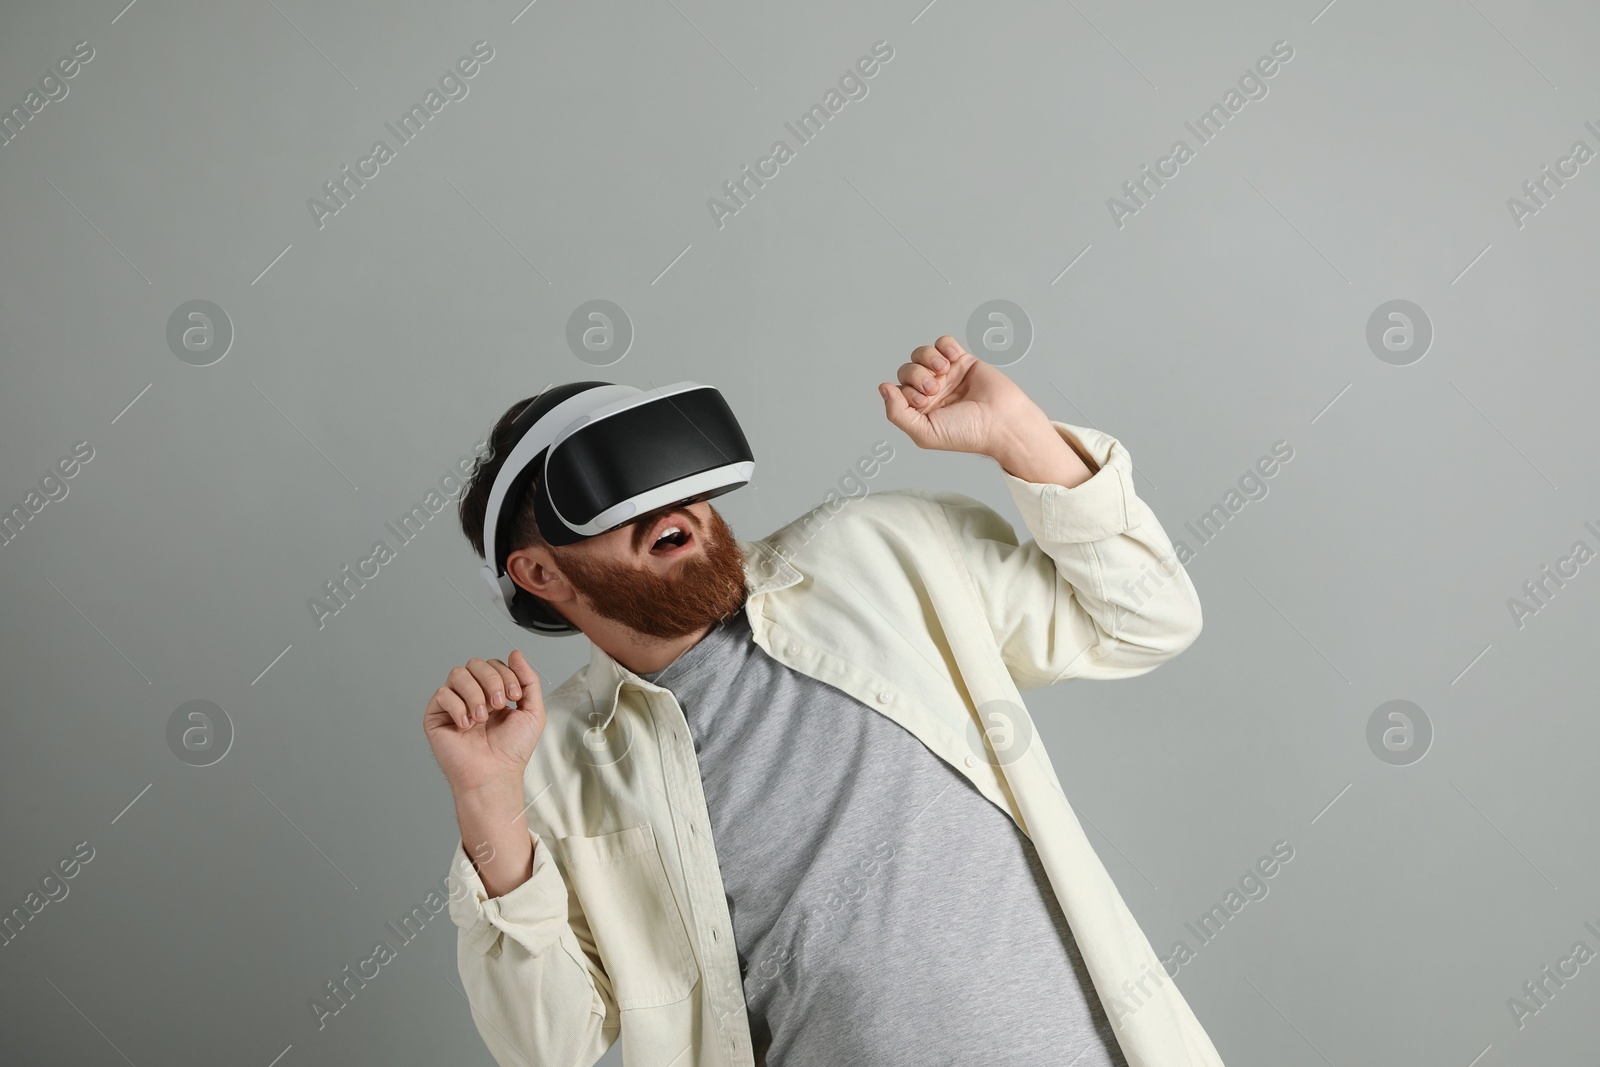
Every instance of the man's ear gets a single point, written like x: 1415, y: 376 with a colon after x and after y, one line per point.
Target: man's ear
x: 533, y: 569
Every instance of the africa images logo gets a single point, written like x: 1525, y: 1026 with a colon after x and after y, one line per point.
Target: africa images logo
x: 1252, y: 86
x: 452, y: 86
x: 811, y: 123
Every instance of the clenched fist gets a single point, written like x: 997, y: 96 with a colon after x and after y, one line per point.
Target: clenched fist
x: 484, y: 722
x: 950, y: 400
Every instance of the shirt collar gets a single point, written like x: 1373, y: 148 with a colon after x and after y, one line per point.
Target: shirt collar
x: 766, y: 570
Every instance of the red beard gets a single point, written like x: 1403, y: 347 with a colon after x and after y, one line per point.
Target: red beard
x: 702, y: 591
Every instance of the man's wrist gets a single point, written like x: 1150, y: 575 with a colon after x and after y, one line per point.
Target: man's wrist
x: 492, y: 795
x: 494, y: 833
x: 1037, y: 452
x: 493, y: 811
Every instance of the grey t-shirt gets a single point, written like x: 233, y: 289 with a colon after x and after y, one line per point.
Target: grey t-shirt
x: 885, y: 911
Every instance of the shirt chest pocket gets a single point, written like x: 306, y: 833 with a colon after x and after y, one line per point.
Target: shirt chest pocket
x: 637, y: 927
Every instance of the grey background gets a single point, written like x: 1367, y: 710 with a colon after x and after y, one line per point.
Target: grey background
x: 1228, y: 314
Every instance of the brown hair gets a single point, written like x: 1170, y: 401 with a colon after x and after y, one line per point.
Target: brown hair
x: 475, y: 502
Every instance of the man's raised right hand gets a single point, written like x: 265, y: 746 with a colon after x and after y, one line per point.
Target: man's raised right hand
x: 480, y: 742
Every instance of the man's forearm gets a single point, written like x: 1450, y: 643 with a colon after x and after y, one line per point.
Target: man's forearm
x: 1039, y: 453
x: 494, y: 834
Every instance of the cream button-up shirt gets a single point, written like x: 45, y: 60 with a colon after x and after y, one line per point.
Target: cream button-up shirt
x: 921, y: 605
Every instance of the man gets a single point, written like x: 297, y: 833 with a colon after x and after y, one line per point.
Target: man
x: 793, y: 811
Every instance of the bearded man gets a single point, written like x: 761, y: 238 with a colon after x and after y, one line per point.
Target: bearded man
x: 793, y: 811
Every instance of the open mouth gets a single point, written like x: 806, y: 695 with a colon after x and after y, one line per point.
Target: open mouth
x: 670, y: 535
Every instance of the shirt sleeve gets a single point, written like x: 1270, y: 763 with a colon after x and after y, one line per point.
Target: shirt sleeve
x: 537, y: 991
x: 1097, y: 593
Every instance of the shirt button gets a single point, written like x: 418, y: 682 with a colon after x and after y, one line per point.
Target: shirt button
x: 972, y: 761
x: 884, y: 696
x: 793, y: 648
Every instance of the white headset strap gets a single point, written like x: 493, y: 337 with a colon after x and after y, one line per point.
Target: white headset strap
x: 547, y: 429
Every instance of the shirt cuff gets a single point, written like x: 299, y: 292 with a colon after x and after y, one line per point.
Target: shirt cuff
x: 1092, y: 510
x: 533, y: 914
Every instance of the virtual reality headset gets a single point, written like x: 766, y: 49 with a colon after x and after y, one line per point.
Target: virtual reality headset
x: 601, y: 456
